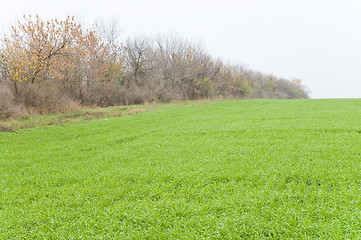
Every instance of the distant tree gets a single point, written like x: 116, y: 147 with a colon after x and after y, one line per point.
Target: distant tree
x: 47, y: 65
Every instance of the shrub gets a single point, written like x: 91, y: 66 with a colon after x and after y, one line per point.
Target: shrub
x: 43, y: 99
x: 8, y: 106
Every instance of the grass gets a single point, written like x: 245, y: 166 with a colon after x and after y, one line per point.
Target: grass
x: 251, y: 169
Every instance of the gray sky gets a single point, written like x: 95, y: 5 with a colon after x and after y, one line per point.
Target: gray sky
x: 318, y: 41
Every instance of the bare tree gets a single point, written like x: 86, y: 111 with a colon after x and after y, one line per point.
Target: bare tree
x: 138, y: 59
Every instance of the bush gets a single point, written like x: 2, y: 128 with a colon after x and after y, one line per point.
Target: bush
x: 8, y: 106
x: 43, y: 99
x: 102, y: 94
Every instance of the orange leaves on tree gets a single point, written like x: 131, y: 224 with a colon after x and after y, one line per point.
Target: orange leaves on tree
x: 39, y: 49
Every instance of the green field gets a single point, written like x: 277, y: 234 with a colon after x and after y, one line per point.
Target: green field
x: 249, y: 169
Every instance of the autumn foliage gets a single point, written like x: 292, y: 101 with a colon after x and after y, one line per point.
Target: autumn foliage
x: 56, y: 65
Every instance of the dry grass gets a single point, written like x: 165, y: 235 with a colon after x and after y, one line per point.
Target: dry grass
x: 89, y: 113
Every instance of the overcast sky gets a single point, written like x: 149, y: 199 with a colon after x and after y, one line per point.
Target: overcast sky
x: 318, y: 41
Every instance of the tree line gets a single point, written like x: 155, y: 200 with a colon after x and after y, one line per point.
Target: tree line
x: 59, y: 65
